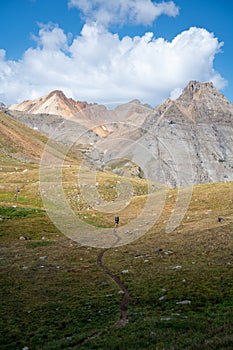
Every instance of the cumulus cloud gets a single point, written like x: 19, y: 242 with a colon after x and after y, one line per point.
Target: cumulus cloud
x: 51, y: 37
x: 108, y: 12
x: 98, y: 66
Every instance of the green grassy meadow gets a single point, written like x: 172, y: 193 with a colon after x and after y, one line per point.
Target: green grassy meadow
x: 54, y: 296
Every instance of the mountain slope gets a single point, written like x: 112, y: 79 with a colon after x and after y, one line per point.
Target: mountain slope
x: 179, y: 143
x: 91, y: 116
x: 183, y: 142
x: 20, y: 143
x: 67, y: 131
x: 193, y: 136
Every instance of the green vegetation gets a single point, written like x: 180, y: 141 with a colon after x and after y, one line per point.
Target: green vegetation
x: 39, y: 244
x: 13, y: 212
x: 54, y: 295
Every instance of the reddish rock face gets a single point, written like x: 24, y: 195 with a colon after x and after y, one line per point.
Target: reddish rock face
x: 54, y: 103
x: 90, y: 115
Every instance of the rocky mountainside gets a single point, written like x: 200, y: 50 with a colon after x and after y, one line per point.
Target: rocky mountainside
x: 78, y: 122
x: 53, y: 103
x: 19, y: 144
x: 68, y: 131
x: 180, y: 142
x: 192, y: 137
x: 91, y: 116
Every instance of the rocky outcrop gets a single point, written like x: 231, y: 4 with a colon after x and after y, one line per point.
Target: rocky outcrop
x: 191, y: 138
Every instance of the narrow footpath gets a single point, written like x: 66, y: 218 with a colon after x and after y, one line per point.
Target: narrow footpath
x: 125, y: 300
x: 123, y: 306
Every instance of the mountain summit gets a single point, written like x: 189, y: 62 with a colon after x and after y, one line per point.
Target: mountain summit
x: 54, y: 103
x: 89, y: 115
x: 203, y: 100
x: 192, y: 137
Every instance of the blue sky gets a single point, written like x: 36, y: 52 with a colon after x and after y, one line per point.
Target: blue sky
x: 98, y: 50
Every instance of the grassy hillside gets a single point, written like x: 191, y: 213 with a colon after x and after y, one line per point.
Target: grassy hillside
x: 18, y: 142
x: 20, y: 145
x: 56, y: 297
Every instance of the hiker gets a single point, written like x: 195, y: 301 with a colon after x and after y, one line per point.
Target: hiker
x: 116, y: 221
x: 17, y: 192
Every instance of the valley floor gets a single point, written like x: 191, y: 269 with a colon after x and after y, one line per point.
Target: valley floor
x: 56, y: 293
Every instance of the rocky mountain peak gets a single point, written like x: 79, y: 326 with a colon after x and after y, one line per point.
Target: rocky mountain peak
x: 57, y: 93
x: 197, y: 91
x: 202, y: 101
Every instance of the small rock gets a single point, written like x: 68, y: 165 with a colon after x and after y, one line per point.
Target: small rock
x: 22, y: 238
x: 177, y: 267
x: 158, y: 250
x: 165, y: 319
x: 43, y: 257
x: 220, y: 219
x: 183, y: 302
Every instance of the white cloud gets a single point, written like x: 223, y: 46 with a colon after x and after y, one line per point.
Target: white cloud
x: 108, y: 12
x: 51, y: 37
x: 98, y: 66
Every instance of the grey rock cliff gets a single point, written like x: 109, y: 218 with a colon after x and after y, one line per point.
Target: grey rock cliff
x: 180, y: 143
x: 191, y: 138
